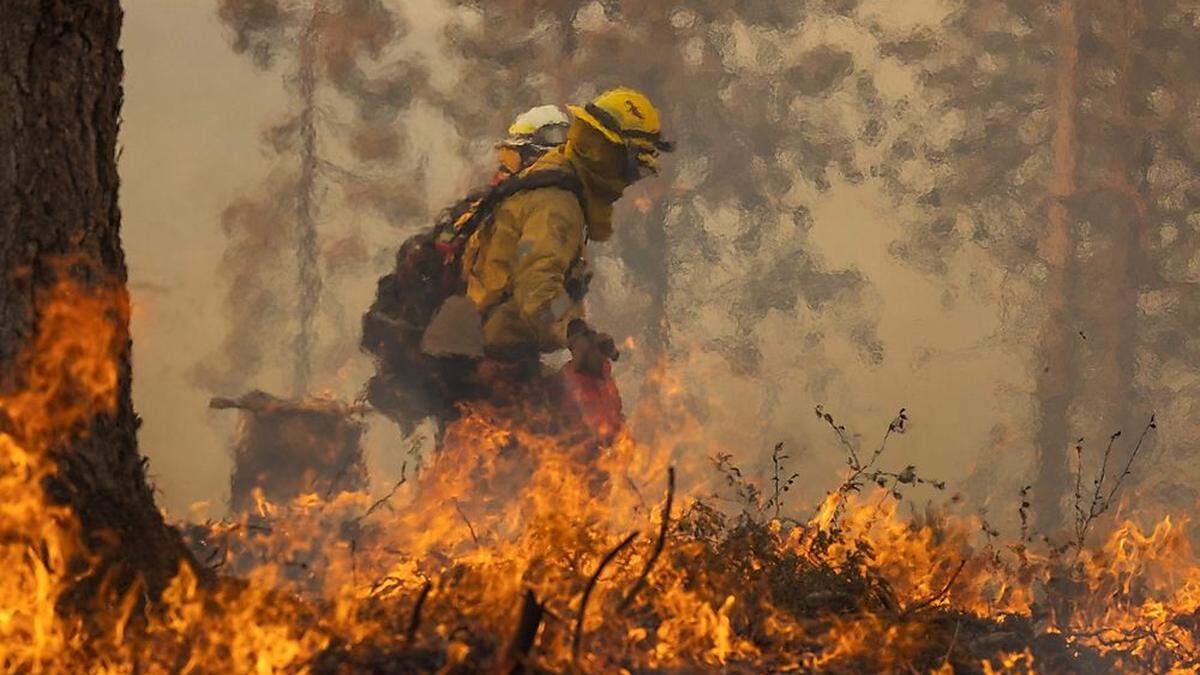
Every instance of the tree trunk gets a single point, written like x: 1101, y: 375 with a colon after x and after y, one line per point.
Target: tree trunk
x: 306, y: 227
x: 1056, y: 373
x: 60, y: 101
x: 1117, y: 212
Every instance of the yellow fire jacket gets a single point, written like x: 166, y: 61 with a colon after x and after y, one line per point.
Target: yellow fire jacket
x: 519, y: 265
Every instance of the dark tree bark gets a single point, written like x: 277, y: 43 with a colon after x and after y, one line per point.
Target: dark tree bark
x: 60, y: 101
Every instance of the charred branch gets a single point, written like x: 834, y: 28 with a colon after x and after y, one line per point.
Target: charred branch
x: 516, y: 654
x: 659, y: 544
x: 414, y: 619
x: 577, y: 640
x: 940, y: 594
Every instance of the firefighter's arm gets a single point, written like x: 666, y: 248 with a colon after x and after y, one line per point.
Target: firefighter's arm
x: 491, y: 276
x: 551, y: 239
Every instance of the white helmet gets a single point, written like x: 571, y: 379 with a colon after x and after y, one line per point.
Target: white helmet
x: 542, y: 127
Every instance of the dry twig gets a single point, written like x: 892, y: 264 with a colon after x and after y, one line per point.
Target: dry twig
x: 414, y: 619
x: 940, y: 594
x: 517, y: 652
x: 577, y: 640
x: 465, y: 520
x: 658, y: 545
x: 1100, y: 502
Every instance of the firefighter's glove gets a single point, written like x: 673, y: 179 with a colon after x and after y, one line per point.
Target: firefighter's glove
x: 590, y: 350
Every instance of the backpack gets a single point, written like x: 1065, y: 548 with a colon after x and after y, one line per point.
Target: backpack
x: 410, y: 385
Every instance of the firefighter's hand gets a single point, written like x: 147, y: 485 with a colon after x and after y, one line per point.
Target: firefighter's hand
x: 590, y: 350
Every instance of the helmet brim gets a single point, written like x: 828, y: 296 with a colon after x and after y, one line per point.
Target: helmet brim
x: 582, y: 114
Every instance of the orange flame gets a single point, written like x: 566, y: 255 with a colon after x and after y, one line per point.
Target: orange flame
x: 517, y: 500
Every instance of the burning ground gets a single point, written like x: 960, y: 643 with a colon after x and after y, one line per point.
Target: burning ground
x: 521, y: 546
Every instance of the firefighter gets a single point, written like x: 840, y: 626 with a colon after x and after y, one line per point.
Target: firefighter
x: 410, y: 384
x: 495, y: 285
x: 526, y: 270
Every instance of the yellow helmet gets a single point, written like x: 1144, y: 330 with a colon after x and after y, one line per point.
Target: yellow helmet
x: 627, y: 117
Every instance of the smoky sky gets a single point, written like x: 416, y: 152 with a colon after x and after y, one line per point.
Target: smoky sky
x: 851, y: 218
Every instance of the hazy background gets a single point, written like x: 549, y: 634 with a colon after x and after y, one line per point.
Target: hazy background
x: 887, y: 334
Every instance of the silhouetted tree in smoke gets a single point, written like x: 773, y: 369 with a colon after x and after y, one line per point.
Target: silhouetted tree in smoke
x: 1111, y: 217
x: 334, y: 55
x: 1066, y: 121
x: 1008, y: 178
x: 1149, y: 180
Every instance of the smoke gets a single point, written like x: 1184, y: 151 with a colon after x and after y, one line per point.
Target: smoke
x: 853, y: 215
x: 341, y: 139
x: 259, y: 27
x: 255, y: 295
x: 712, y: 260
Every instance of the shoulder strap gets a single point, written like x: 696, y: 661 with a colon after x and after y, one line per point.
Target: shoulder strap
x: 533, y: 180
x: 529, y: 180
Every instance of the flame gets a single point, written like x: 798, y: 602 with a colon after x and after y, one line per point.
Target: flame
x: 519, y: 500
x: 67, y: 377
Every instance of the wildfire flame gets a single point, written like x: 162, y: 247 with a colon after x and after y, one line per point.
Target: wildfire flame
x: 67, y: 377
x: 516, y: 505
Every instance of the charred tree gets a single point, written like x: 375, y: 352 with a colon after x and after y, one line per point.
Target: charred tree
x: 60, y: 102
x: 287, y: 448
